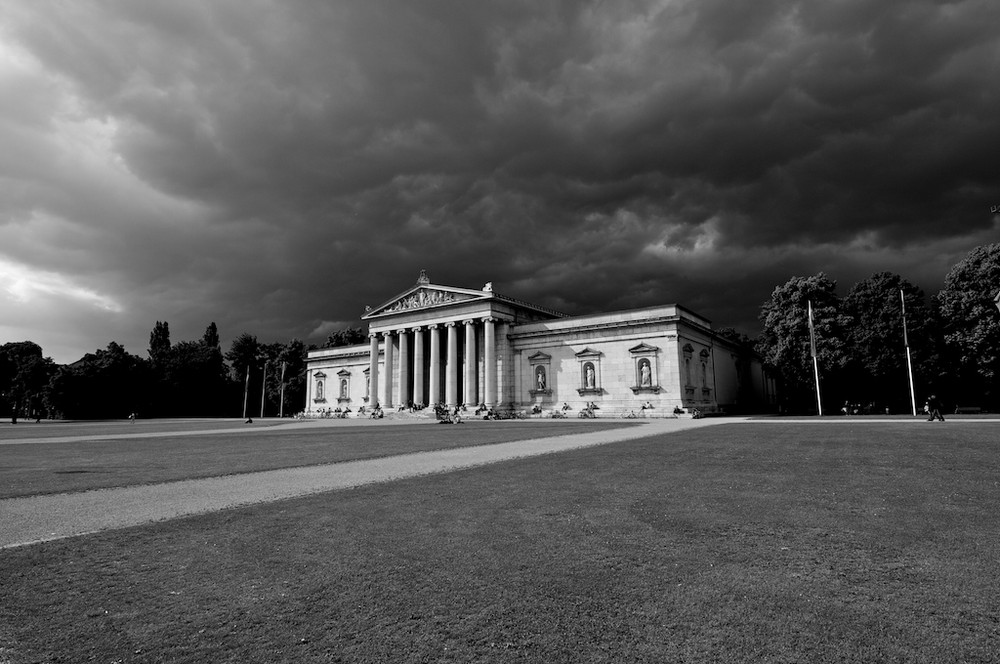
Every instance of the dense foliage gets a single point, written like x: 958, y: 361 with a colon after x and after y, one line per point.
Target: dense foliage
x: 785, y: 343
x: 348, y: 336
x: 877, y: 362
x: 24, y: 374
x: 953, y: 340
x: 970, y: 325
x: 183, y: 379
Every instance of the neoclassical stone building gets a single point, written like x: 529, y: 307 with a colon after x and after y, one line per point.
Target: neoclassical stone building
x: 457, y: 346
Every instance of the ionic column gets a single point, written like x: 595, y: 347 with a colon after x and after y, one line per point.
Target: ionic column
x: 470, y: 363
x: 404, y: 366
x: 451, y: 368
x: 418, y: 366
x: 387, y: 337
x: 435, y: 379
x: 373, y: 371
x: 490, y: 363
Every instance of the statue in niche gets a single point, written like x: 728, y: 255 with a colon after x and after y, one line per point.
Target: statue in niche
x: 319, y: 390
x: 343, y: 388
x: 589, y: 376
x: 540, y: 378
x: 645, y: 374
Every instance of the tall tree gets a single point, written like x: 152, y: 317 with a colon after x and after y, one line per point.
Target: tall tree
x: 244, y: 357
x: 271, y: 380
x: 970, y: 325
x: 293, y: 357
x: 196, y: 380
x: 24, y: 372
x: 784, y: 341
x: 211, y: 336
x: 244, y: 352
x: 876, y: 351
x: 159, y: 341
x: 161, y: 396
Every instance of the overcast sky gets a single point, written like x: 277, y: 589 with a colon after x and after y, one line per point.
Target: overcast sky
x: 276, y: 165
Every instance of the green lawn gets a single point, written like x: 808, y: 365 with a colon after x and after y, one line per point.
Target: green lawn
x: 735, y: 543
x: 40, y: 468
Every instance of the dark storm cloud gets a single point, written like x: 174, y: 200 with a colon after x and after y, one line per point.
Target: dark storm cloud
x: 275, y: 166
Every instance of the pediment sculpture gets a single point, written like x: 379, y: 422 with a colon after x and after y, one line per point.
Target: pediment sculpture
x: 422, y: 298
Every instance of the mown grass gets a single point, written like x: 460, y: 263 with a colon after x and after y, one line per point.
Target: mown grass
x: 737, y: 543
x: 43, y: 468
x: 28, y: 429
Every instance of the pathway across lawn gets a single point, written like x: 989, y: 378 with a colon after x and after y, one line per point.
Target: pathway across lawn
x: 43, y: 518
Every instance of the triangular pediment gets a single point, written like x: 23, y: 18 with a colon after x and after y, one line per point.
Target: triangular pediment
x: 425, y: 296
x: 643, y: 348
x: 589, y: 352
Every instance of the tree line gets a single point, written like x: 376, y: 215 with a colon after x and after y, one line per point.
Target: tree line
x: 183, y: 379
x: 953, y: 340
x: 860, y: 342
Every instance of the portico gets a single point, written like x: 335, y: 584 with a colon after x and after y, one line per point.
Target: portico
x: 435, y: 344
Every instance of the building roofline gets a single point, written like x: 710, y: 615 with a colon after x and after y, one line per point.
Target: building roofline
x: 377, y: 312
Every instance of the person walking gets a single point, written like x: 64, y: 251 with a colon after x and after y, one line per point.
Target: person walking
x: 934, y: 406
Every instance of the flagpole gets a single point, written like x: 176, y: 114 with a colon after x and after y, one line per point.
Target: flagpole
x: 246, y: 390
x: 263, y: 390
x: 281, y: 397
x: 909, y: 362
x: 812, y: 349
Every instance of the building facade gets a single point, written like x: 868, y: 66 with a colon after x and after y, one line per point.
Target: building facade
x: 435, y: 344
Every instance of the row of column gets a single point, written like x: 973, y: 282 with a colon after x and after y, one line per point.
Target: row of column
x: 414, y: 391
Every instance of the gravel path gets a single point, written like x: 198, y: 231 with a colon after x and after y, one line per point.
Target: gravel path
x: 43, y: 518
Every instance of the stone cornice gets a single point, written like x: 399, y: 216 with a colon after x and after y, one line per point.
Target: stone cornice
x: 592, y: 327
x: 340, y: 356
